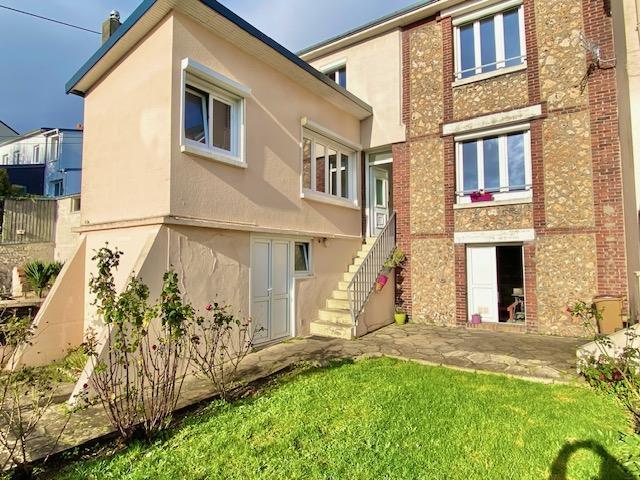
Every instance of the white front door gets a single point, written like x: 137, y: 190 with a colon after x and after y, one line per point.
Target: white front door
x: 482, y: 283
x: 379, y: 199
x: 270, y: 289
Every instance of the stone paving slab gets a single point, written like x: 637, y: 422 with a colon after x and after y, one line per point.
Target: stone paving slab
x: 539, y: 358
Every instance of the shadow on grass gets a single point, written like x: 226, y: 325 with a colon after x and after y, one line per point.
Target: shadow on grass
x: 610, y: 468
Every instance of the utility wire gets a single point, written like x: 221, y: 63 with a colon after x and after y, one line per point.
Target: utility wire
x: 49, y: 19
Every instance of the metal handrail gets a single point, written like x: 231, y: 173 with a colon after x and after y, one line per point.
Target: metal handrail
x: 364, y: 279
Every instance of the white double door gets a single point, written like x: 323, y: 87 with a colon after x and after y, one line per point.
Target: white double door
x: 271, y: 281
x: 482, y: 282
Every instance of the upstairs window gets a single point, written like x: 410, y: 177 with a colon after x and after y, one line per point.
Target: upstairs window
x: 16, y: 157
x: 5, y: 159
x: 489, y: 43
x: 338, y: 75
x: 213, y: 111
x: 327, y: 167
x: 54, y: 150
x: 57, y: 188
x: 499, y: 164
x: 36, y: 154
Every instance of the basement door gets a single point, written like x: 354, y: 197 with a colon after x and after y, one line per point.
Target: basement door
x: 482, y: 282
x: 271, y: 289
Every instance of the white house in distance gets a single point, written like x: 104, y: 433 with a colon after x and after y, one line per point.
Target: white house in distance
x: 46, y: 161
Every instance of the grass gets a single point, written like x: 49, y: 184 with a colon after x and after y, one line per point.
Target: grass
x: 67, y: 369
x: 386, y: 419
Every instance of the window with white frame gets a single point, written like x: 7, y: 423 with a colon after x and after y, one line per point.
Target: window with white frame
x: 327, y: 167
x: 54, y: 149
x: 213, y: 114
x: 36, y: 154
x: 5, y: 159
x: 16, y: 157
x: 302, y: 258
x: 497, y: 163
x: 57, y: 188
x: 487, y: 41
x: 338, y: 75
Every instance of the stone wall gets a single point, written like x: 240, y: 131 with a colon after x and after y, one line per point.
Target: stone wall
x: 566, y: 272
x: 505, y: 217
x: 433, y: 281
x: 497, y: 94
x: 15, y: 255
x: 427, y: 186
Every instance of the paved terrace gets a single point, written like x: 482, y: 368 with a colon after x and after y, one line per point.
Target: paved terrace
x: 539, y: 358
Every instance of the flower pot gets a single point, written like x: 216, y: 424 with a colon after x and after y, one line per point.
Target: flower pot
x: 476, y: 319
x: 481, y: 197
x: 381, y: 281
x: 400, y: 318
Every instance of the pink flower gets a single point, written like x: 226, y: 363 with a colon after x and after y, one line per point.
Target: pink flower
x: 85, y: 386
x: 209, y: 307
x: 153, y: 347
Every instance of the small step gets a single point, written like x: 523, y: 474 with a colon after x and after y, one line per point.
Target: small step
x: 327, y: 329
x: 347, y: 276
x: 343, y: 285
x: 362, y: 253
x: 358, y: 261
x: 337, y: 304
x: 340, y: 294
x: 370, y: 240
x: 353, y: 268
x: 341, y: 316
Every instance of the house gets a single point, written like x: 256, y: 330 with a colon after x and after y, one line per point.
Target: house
x: 6, y: 132
x: 46, y: 161
x: 269, y: 180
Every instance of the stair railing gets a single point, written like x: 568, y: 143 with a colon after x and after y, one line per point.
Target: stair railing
x: 364, y: 279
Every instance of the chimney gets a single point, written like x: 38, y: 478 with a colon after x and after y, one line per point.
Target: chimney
x: 110, y: 25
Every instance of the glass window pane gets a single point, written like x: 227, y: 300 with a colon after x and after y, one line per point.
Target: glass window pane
x: 379, y: 192
x: 194, y: 117
x: 470, y: 166
x: 467, y: 53
x: 344, y: 175
x: 221, y: 119
x: 515, y: 155
x: 306, y: 163
x: 320, y: 152
x: 333, y: 172
x: 488, y: 44
x: 342, y: 77
x: 491, y: 154
x: 301, y: 257
x: 511, y: 38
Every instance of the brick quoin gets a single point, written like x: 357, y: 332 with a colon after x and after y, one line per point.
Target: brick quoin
x: 605, y: 152
x: 401, y: 202
x: 530, y: 298
x: 460, y: 252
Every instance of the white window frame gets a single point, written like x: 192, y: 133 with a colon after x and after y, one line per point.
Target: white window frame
x: 495, y: 11
x: 17, y: 155
x: 54, y: 153
x: 352, y: 170
x: 36, y: 154
x: 76, y: 205
x: 309, y: 271
x: 504, y: 193
x: 333, y: 67
x: 53, y: 184
x: 5, y: 159
x: 215, y: 86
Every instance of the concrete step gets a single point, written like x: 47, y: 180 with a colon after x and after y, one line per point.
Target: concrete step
x: 362, y: 253
x: 370, y: 240
x: 337, y: 304
x: 358, y: 261
x: 327, y: 329
x: 353, y: 268
x: 343, y: 285
x: 340, y: 294
x: 347, y: 276
x: 329, y: 315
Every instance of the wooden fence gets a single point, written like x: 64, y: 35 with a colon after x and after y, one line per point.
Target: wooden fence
x: 27, y: 220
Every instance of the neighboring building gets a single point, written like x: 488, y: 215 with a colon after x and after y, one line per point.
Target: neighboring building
x: 46, y: 161
x: 257, y: 178
x: 6, y: 132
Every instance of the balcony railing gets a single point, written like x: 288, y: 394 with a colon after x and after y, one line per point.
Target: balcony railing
x: 364, y: 279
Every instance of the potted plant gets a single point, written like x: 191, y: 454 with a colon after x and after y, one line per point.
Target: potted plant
x: 400, y: 316
x: 481, y: 196
x: 395, y: 260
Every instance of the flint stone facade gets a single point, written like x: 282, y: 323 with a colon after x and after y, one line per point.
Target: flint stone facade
x: 571, y: 215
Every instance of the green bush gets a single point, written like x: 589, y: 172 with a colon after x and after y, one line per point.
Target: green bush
x: 41, y: 275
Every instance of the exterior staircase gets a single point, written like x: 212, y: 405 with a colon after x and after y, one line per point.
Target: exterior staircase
x: 335, y: 319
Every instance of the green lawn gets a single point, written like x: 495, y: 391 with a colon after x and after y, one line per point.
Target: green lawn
x: 386, y: 419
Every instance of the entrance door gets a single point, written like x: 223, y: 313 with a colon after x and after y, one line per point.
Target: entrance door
x: 270, y: 289
x: 379, y: 198
x: 482, y: 283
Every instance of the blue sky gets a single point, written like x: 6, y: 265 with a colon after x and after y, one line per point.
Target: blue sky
x: 39, y: 57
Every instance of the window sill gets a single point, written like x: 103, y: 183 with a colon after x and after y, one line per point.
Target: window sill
x: 331, y: 200
x: 485, y: 76
x: 494, y: 203
x: 212, y: 155
x: 303, y: 276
